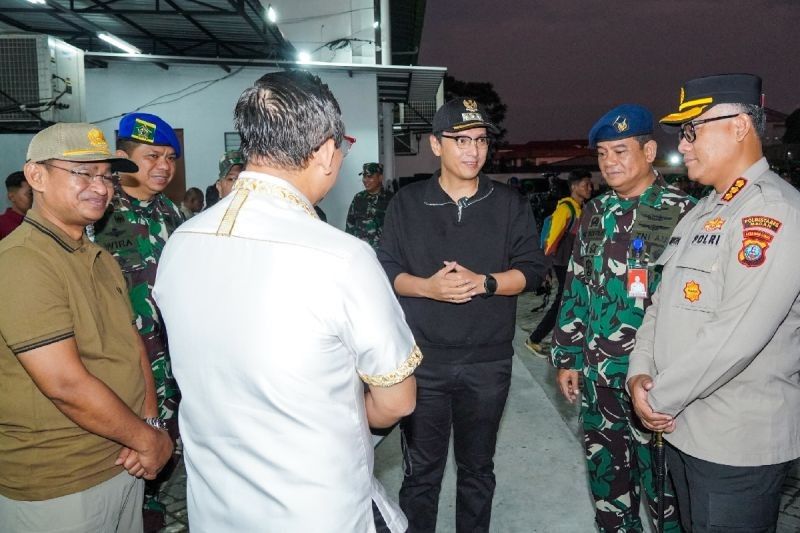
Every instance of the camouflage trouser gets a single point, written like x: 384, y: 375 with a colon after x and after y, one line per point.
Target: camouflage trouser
x: 167, y: 393
x: 168, y: 397
x: 619, y: 462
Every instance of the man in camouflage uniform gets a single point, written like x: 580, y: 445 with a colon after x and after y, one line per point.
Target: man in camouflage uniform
x: 135, y: 229
x: 368, y: 209
x: 621, y: 234
x: 231, y: 165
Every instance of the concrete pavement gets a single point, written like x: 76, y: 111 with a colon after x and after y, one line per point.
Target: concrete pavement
x: 541, y: 477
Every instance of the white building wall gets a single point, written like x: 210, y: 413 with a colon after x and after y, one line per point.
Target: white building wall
x: 206, y: 115
x: 424, y: 162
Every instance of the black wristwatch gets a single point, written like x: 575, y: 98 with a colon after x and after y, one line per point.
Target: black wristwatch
x: 158, y: 423
x: 489, y: 285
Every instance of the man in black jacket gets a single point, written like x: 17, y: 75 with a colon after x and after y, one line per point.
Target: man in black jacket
x: 458, y: 249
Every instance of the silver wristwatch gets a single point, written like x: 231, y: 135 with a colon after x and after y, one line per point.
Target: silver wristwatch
x: 158, y: 423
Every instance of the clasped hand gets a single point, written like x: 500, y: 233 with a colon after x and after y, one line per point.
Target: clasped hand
x: 454, y: 283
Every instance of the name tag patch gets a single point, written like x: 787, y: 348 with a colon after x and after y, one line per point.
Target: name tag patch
x: 705, y: 238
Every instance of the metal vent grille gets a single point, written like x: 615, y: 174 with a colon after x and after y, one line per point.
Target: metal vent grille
x: 23, y: 79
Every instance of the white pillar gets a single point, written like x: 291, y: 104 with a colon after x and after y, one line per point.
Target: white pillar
x: 386, y: 108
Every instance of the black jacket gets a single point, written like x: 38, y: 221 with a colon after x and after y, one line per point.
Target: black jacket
x: 491, y: 232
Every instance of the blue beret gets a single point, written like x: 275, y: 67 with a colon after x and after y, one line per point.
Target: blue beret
x: 627, y: 120
x: 148, y: 129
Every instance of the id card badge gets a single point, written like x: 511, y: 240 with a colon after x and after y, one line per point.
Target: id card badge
x: 638, y: 282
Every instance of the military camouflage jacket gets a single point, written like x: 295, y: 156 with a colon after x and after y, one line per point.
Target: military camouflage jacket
x: 135, y: 233
x: 366, y: 214
x: 597, y: 321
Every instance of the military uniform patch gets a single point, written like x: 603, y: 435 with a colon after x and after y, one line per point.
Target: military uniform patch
x: 734, y: 189
x: 144, y: 131
x: 621, y: 124
x: 691, y: 291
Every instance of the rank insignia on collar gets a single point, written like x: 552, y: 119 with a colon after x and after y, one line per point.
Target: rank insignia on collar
x: 471, y: 105
x: 691, y: 291
x: 621, y: 124
x: 734, y: 189
x: 714, y: 224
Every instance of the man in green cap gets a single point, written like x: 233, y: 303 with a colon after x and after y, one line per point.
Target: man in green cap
x: 135, y: 229
x: 368, y: 208
x: 230, y: 166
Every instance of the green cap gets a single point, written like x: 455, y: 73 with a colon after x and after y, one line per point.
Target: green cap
x: 77, y: 142
x: 228, y: 161
x: 370, y: 169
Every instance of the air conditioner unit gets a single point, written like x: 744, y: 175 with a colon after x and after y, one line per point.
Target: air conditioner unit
x: 41, y: 80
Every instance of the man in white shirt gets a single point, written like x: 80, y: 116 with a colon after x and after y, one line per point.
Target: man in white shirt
x: 272, y: 362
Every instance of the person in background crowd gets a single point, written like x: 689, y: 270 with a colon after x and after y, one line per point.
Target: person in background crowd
x: 212, y: 195
x: 20, y: 195
x: 558, y: 237
x: 273, y: 362
x: 76, y: 379
x: 134, y: 229
x: 716, y: 362
x: 230, y: 165
x: 458, y: 248
x: 368, y: 208
x: 192, y: 202
x: 620, y: 236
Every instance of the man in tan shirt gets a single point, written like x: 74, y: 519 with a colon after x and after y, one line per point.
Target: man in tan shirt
x: 76, y: 380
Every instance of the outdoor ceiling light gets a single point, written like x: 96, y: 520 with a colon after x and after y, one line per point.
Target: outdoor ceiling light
x: 303, y: 57
x: 38, y: 2
x: 119, y: 43
x: 272, y: 16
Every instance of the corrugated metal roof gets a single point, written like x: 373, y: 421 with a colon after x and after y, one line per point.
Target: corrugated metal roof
x: 212, y: 28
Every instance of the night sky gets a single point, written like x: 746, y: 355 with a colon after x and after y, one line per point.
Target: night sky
x: 560, y: 64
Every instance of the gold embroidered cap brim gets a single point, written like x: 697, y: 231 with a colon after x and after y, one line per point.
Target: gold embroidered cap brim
x: 676, y: 119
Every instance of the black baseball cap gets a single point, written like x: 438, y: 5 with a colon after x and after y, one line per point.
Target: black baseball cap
x: 462, y: 114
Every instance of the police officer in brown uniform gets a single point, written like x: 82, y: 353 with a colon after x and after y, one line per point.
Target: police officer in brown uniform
x: 716, y: 365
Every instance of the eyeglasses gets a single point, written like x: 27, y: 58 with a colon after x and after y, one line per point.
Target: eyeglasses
x: 347, y: 143
x: 464, y: 142
x: 85, y: 177
x: 688, y: 132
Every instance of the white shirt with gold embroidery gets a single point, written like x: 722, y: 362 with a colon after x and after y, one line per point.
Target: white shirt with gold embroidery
x: 274, y: 320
